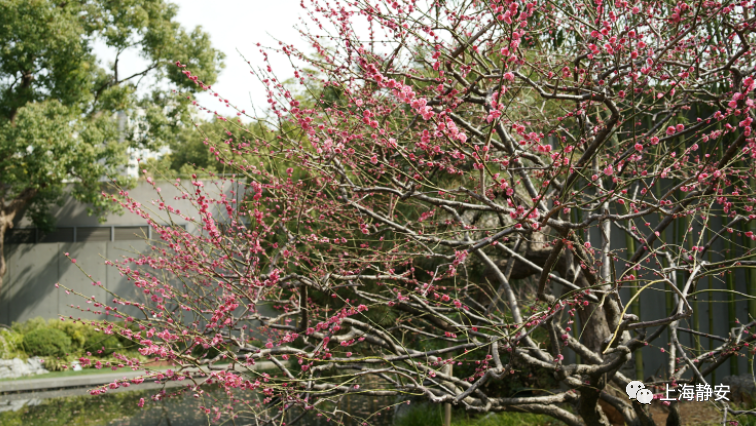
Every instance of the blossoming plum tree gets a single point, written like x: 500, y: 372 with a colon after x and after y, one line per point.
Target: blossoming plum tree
x: 488, y: 185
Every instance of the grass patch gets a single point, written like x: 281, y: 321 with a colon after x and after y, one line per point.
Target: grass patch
x: 432, y: 415
x: 70, y: 373
x: 505, y: 419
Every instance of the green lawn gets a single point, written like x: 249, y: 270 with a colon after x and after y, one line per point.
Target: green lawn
x: 71, y: 373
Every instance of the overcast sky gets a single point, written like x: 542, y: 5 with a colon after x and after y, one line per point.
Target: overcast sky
x: 239, y: 25
x: 233, y: 25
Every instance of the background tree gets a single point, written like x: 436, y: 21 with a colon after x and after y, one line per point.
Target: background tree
x: 485, y: 185
x: 58, y: 103
x: 190, y: 150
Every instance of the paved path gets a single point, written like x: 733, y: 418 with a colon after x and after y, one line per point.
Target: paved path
x: 86, y: 382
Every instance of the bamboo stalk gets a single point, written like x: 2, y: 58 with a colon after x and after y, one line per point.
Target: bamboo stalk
x: 751, y: 244
x: 447, y: 406
x: 575, y: 329
x: 680, y: 237
x: 636, y: 308
x: 732, y: 313
x: 695, y: 340
x: 710, y: 299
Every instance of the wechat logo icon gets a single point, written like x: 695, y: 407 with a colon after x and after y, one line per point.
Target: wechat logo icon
x: 637, y: 390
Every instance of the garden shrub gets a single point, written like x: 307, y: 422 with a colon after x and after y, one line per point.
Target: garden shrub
x: 77, y: 331
x: 56, y: 363
x: 206, y: 353
x: 126, y: 343
x: 11, y: 344
x: 54, y: 339
x: 47, y: 341
x: 107, y: 343
x: 29, y: 325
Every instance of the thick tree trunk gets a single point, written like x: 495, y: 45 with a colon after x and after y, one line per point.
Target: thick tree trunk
x: 588, y: 406
x: 597, y: 326
x: 674, y: 415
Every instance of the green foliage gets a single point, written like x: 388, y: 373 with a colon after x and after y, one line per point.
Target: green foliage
x: 746, y: 420
x: 56, y: 363
x: 381, y: 315
x: 80, y: 337
x: 11, y: 344
x: 102, y: 344
x: 505, y: 419
x: 47, y: 342
x: 200, y: 351
x: 190, y: 155
x: 425, y: 414
x: 78, y: 332
x: 28, y: 325
x: 59, y: 105
x: 87, y: 338
x: 190, y: 150
x: 421, y: 415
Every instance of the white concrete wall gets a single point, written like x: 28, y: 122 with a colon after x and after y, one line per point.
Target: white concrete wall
x: 34, y: 269
x: 28, y: 289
